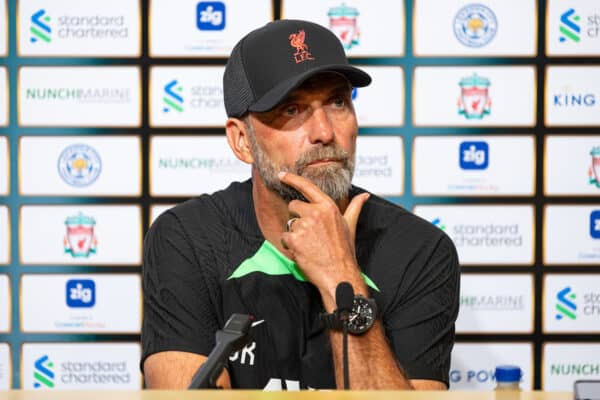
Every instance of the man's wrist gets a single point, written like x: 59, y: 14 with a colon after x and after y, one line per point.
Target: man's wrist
x: 328, y: 293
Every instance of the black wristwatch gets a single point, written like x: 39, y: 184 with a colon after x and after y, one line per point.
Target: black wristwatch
x: 360, y: 319
x: 363, y: 315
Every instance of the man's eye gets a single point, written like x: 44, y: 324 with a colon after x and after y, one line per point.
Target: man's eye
x: 290, y: 111
x: 339, y: 102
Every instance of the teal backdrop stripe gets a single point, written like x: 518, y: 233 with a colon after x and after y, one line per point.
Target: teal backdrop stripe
x: 16, y: 338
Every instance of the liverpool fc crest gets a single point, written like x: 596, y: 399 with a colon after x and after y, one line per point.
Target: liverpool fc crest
x: 342, y: 22
x: 80, y: 240
x: 474, y: 101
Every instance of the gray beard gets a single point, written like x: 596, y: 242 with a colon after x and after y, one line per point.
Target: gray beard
x: 334, y: 180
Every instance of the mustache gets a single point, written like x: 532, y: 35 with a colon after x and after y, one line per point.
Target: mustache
x: 321, y: 152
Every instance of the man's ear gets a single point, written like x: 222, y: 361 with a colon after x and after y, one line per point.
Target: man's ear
x: 237, y: 137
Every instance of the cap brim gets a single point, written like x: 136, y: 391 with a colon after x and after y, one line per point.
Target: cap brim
x: 356, y: 77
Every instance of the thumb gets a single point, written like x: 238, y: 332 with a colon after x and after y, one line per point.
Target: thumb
x: 353, y: 211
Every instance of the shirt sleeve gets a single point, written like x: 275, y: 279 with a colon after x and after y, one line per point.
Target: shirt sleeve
x: 420, y: 322
x: 179, y: 314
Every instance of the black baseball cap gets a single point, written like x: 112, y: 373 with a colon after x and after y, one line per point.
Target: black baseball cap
x: 269, y: 62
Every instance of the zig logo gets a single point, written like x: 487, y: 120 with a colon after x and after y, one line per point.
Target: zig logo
x: 210, y: 16
x: 40, y: 30
x: 473, y: 155
x: 569, y: 28
x: 437, y: 221
x: 566, y: 306
x: 172, y: 99
x: 81, y: 293
x: 595, y: 224
x: 43, y: 375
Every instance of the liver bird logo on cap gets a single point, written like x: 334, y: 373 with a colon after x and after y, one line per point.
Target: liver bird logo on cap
x: 297, y: 41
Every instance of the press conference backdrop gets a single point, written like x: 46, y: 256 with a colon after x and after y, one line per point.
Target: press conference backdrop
x: 483, y: 118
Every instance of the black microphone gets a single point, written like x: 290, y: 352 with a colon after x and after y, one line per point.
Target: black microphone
x: 232, y: 338
x: 344, y: 296
x: 344, y: 299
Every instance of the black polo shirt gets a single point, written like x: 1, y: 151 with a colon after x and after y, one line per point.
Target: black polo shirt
x: 206, y: 259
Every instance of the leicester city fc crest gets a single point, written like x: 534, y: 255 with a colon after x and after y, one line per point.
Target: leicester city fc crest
x: 474, y: 101
x: 79, y: 165
x: 475, y: 25
x: 80, y: 240
x: 342, y: 22
x: 594, y: 170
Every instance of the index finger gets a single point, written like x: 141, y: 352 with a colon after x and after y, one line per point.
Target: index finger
x: 312, y: 193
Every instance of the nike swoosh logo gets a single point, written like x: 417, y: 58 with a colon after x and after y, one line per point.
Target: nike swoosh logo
x: 256, y: 323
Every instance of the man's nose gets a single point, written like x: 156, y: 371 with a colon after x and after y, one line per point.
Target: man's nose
x: 321, y: 129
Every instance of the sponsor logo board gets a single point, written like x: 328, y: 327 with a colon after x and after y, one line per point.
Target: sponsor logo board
x: 473, y: 364
x: 571, y: 234
x: 572, y: 165
x: 75, y: 28
x: 4, y: 166
x: 565, y: 363
x: 489, y: 28
x: 486, y: 234
x: 379, y: 164
x: 80, y: 234
x: 361, y: 25
x: 573, y: 28
x: 5, y: 303
x: 80, y: 165
x: 370, y: 110
x: 100, y: 303
x: 203, y: 28
x: 474, y: 165
x: 571, y: 303
x: 5, y: 364
x: 495, y: 303
x: 4, y: 235
x: 80, y: 366
x: 4, y: 108
x: 3, y: 28
x: 187, y: 96
x: 572, y: 95
x: 191, y: 165
x: 474, y: 96
x: 79, y: 96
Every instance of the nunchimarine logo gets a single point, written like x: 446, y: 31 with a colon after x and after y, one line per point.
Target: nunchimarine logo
x: 297, y: 41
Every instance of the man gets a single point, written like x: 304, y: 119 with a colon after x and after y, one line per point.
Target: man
x: 277, y: 246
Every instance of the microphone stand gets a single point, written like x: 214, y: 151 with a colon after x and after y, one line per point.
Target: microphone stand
x: 232, y: 338
x: 344, y: 299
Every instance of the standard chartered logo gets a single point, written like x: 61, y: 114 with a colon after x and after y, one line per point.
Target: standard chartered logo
x: 200, y: 97
x: 488, y: 235
x: 43, y: 375
x: 79, y: 373
x: 172, y: 99
x: 40, y: 28
x: 569, y: 27
x: 566, y: 306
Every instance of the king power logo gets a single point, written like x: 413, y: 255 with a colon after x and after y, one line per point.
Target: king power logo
x: 565, y: 306
x: 40, y: 29
x: 172, y: 99
x: 43, y: 375
x: 569, y: 27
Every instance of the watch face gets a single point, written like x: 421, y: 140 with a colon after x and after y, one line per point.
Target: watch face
x: 362, y: 316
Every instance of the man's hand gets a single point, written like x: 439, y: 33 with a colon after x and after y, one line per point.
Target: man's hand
x: 321, y: 239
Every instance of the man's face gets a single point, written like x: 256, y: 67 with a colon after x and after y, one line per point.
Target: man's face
x: 312, y: 133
